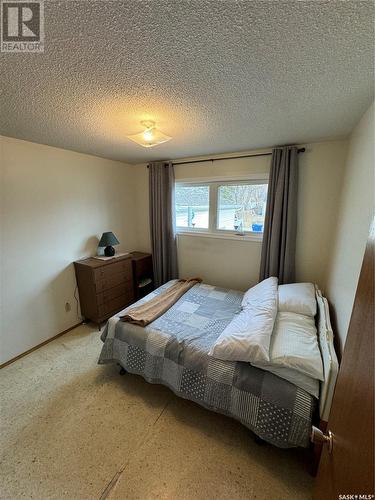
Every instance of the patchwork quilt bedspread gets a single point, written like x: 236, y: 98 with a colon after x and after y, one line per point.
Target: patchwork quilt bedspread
x: 173, y: 350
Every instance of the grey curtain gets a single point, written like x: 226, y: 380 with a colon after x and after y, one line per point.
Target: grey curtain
x: 280, y: 228
x: 162, y: 221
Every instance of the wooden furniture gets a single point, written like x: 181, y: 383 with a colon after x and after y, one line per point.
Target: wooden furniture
x: 143, y: 276
x: 105, y: 286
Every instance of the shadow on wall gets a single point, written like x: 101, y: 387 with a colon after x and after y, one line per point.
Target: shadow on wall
x: 90, y: 247
x: 58, y: 297
x: 61, y: 290
x: 62, y: 301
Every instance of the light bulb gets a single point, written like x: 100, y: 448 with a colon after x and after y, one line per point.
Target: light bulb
x: 148, y: 135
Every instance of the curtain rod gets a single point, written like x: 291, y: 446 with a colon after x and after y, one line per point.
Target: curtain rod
x: 301, y: 150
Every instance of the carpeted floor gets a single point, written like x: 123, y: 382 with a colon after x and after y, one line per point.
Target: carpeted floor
x: 73, y: 429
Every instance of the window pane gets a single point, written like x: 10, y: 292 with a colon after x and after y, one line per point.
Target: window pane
x: 242, y: 207
x: 192, y: 206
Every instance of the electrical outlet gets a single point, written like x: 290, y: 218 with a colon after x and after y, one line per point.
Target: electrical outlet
x: 68, y: 307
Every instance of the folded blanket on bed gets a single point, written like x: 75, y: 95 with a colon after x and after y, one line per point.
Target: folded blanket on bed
x: 146, y: 313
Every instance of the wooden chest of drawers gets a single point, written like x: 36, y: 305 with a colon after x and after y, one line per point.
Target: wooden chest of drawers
x: 105, y: 286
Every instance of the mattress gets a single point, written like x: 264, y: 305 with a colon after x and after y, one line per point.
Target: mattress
x: 173, y: 351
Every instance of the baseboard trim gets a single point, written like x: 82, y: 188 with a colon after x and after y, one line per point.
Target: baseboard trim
x: 39, y: 345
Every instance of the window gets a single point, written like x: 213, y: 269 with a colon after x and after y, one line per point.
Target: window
x: 226, y: 207
x: 192, y: 206
x: 241, y: 207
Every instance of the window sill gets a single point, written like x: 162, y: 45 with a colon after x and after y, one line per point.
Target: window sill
x: 221, y: 236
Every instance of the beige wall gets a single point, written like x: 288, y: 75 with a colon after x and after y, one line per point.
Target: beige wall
x: 351, y: 231
x: 54, y: 205
x: 235, y: 264
x: 321, y: 170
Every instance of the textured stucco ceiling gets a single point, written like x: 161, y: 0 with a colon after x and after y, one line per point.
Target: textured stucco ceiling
x: 217, y: 76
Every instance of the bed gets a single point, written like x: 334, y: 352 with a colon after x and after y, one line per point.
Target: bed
x: 173, y: 351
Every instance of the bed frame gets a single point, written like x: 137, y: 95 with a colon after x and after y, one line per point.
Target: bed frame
x: 331, y: 368
x: 330, y: 363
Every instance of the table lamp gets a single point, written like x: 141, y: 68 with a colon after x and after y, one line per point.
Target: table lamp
x: 108, y: 240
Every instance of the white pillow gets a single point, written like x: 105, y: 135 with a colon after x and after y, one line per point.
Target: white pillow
x: 297, y: 298
x: 294, y: 344
x: 247, y: 337
x: 263, y: 291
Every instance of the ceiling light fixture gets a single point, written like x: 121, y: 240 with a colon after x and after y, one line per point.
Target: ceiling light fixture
x: 150, y: 137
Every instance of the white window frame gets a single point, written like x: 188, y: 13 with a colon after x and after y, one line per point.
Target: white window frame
x: 213, y: 183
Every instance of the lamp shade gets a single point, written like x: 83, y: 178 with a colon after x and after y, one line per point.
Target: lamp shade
x: 108, y: 239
